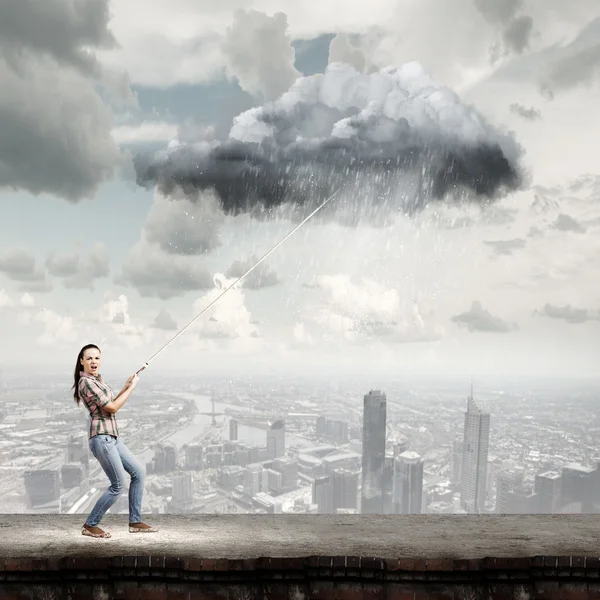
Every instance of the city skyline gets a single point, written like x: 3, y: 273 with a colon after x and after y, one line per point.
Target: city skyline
x: 202, y: 460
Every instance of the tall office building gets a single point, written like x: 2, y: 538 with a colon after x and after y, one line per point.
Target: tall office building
x: 456, y: 462
x: 183, y: 492
x: 508, y: 483
x: 42, y: 487
x: 333, y: 430
x: 373, y: 452
x: 170, y: 453
x: 408, y: 484
x: 233, y: 430
x: 400, y: 447
x: 476, y: 443
x: 78, y: 452
x: 388, y: 484
x: 276, y: 440
x: 252, y: 479
x: 71, y: 475
x: 345, y: 489
x: 322, y: 495
x: 194, y: 456
x: 577, y: 488
x: 289, y: 471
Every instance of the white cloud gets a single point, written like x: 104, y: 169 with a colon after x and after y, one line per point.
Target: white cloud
x: 180, y: 41
x: 342, y: 50
x: 27, y: 301
x: 5, y: 300
x: 229, y: 318
x: 115, y: 313
x: 366, y: 311
x: 145, y: 132
x: 301, y: 336
x: 58, y: 329
x: 259, y: 53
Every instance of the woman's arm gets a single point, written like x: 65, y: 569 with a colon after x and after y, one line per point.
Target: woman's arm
x: 117, y: 403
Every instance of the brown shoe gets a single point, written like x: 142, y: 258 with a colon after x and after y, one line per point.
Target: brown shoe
x: 141, y: 528
x: 94, y: 532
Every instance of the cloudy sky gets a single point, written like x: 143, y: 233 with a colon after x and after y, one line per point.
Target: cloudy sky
x: 100, y: 96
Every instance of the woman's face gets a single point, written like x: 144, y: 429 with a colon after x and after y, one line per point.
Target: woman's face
x: 91, y: 361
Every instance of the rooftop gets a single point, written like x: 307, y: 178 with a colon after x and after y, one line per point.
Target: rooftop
x: 301, y: 557
x: 253, y: 536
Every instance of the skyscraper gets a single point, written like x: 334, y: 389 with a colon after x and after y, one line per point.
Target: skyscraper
x: 345, y: 489
x: 577, y: 486
x: 373, y: 456
x: 508, y: 483
x: 193, y: 456
x: 276, y: 440
x: 233, y: 430
x: 408, y: 484
x: 476, y: 443
x: 322, y: 494
x: 456, y: 461
x: 183, y: 492
x: 42, y: 487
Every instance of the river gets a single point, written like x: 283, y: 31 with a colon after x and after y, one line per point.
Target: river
x: 253, y: 436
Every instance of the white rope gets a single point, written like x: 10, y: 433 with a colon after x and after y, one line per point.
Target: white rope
x: 312, y: 214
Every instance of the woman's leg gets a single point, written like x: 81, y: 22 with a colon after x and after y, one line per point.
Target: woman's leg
x: 104, y: 448
x: 136, y: 488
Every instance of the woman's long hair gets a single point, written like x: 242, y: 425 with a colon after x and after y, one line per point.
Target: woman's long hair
x: 78, y: 368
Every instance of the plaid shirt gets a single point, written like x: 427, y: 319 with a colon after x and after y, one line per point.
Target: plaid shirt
x: 96, y: 395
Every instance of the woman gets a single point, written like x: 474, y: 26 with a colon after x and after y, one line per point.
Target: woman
x: 106, y: 445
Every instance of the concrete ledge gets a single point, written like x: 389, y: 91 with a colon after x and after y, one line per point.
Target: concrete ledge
x: 255, y: 536
x: 45, y: 557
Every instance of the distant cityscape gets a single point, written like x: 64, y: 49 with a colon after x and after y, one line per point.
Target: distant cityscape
x: 224, y: 447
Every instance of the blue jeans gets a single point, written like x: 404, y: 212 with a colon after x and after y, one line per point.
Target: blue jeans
x: 115, y: 459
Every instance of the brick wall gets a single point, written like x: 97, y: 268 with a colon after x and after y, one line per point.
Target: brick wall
x: 315, y: 577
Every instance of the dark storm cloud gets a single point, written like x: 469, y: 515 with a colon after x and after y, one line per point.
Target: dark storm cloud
x: 246, y: 175
x: 302, y: 147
